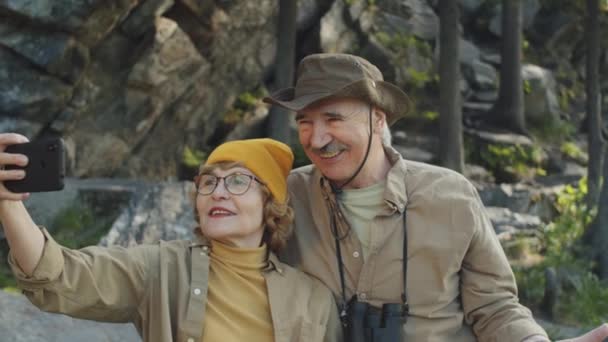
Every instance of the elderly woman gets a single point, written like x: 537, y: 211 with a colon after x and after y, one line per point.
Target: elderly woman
x: 227, y: 285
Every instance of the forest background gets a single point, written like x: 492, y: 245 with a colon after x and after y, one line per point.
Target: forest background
x: 507, y: 92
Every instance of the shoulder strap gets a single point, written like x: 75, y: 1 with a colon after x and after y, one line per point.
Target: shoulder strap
x: 406, y: 307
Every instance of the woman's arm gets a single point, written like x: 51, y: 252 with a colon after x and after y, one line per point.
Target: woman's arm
x: 24, y: 237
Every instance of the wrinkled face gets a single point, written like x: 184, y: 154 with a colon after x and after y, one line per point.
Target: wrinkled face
x: 334, y: 135
x: 236, y: 220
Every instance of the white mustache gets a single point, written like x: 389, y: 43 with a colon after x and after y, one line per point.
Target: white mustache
x: 332, y: 147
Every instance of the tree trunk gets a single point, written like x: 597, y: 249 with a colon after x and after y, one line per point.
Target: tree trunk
x: 594, y: 125
x: 278, y: 120
x: 509, y: 109
x: 599, y: 229
x: 451, y: 151
x: 599, y: 234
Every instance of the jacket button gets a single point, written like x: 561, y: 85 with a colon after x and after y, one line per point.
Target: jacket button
x: 190, y: 339
x: 362, y: 295
x: 356, y: 254
x: 197, y: 291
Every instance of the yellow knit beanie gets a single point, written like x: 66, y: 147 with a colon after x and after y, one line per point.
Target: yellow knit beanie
x: 268, y: 159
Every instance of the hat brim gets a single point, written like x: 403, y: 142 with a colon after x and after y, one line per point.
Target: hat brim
x: 385, y: 95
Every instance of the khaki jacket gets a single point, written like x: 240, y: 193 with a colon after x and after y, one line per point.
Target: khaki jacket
x: 162, y: 289
x: 459, y: 286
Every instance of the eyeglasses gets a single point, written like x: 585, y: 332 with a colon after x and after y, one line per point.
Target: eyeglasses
x: 236, y: 183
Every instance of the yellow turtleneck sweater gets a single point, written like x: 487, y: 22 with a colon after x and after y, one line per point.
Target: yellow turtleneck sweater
x: 237, y: 299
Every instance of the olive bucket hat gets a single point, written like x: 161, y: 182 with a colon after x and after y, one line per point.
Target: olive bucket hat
x: 329, y: 75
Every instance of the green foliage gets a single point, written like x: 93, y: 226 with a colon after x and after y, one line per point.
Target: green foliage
x: 400, y: 43
x: 527, y: 87
x: 418, y: 79
x: 522, y: 160
x: 244, y: 102
x: 569, y: 87
x: 7, y: 280
x: 401, y: 46
x: 553, y: 131
x: 11, y: 289
x: 566, y: 95
x: 574, y: 152
x: 525, y: 45
x: 530, y: 283
x: 193, y: 158
x: 430, y: 115
x: 561, y: 235
x: 77, y: 226
x: 583, y: 296
x: 587, y: 303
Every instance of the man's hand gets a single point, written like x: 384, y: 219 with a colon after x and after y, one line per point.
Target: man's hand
x: 598, y: 334
x: 7, y: 139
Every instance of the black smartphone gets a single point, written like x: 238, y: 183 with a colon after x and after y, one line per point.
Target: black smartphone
x: 45, y: 170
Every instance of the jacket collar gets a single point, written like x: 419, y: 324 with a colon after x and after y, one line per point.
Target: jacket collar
x: 200, y: 241
x: 395, y: 193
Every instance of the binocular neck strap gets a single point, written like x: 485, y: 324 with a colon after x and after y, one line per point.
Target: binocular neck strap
x: 337, y: 238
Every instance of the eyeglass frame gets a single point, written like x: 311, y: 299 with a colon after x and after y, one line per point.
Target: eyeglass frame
x: 218, y: 179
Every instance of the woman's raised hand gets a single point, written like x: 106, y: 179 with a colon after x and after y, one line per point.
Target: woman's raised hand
x: 7, y: 139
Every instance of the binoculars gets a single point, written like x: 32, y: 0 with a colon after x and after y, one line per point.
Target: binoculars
x: 365, y: 323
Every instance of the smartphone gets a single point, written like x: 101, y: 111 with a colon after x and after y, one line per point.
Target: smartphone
x: 45, y: 170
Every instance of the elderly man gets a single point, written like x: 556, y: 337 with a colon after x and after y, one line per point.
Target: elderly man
x: 361, y: 208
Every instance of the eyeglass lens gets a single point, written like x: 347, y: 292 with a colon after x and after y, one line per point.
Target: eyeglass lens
x: 236, y: 183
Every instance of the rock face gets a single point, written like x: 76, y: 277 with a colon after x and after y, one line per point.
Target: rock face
x: 129, y: 83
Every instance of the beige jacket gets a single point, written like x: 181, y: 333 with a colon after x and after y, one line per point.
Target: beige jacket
x: 459, y: 287
x: 162, y: 289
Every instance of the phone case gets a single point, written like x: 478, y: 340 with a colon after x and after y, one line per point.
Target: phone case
x: 45, y: 170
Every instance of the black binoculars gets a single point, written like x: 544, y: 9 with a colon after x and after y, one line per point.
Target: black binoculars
x: 365, y: 323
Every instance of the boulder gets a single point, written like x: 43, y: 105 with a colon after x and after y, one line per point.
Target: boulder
x: 335, y: 34
x: 507, y: 223
x: 414, y: 17
x: 161, y: 212
x: 481, y: 76
x: 24, y: 322
x: 416, y: 154
x: 540, y: 95
x: 523, y: 199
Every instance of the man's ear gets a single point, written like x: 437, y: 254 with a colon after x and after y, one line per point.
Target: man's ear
x: 379, y: 120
